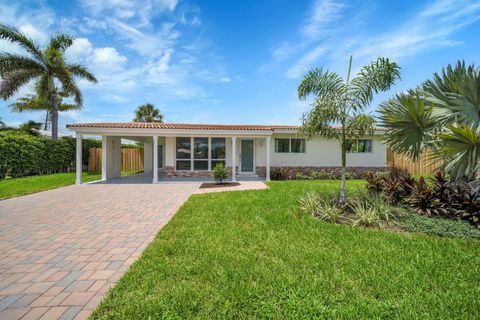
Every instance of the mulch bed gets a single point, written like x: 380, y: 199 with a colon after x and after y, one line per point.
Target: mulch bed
x: 218, y: 185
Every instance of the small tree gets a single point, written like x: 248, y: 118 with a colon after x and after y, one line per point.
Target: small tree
x: 338, y: 109
x: 220, y: 172
x: 148, y: 113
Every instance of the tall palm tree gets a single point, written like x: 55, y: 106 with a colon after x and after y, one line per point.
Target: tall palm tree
x: 54, y: 77
x: 338, y: 107
x: 442, y: 115
x: 148, y: 113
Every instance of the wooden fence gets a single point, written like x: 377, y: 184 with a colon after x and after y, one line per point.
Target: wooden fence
x: 423, y: 166
x: 132, y: 159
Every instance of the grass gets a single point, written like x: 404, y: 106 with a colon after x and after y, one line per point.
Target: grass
x: 10, y: 188
x: 252, y: 254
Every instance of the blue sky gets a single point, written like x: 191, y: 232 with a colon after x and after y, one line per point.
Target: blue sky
x: 236, y: 61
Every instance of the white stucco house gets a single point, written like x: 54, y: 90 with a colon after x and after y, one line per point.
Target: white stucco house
x: 174, y: 150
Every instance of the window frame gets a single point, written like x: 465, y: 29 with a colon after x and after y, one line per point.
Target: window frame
x: 290, y: 146
x: 192, y: 158
x: 357, y: 144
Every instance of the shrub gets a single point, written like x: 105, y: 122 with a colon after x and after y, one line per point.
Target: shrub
x: 365, y: 215
x: 387, y: 212
x: 220, y: 172
x: 325, y: 210
x: 22, y: 154
x: 282, y: 173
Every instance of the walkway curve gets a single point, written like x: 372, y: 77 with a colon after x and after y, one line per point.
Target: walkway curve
x: 62, y: 249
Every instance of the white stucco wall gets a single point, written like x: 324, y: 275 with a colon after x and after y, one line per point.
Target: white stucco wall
x: 326, y: 152
x: 111, y: 157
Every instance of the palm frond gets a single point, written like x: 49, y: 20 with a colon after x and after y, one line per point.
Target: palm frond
x: 82, y: 72
x: 11, y: 82
x: 30, y: 103
x: 359, y: 125
x: 460, y: 146
x: 68, y: 107
x: 61, y: 42
x: 69, y: 87
x: 379, y: 75
x: 11, y: 62
x: 12, y: 34
x: 319, y: 83
x: 411, y: 124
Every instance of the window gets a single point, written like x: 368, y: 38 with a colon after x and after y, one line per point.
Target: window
x: 297, y: 145
x: 217, y: 152
x: 199, y: 153
x: 285, y: 145
x: 359, y: 146
x: 282, y: 145
x: 184, y: 153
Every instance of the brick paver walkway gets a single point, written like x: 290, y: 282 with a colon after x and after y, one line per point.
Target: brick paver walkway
x: 61, y: 250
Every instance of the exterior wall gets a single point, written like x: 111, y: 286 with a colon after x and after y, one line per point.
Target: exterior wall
x: 148, y: 156
x: 111, y: 157
x: 321, y: 152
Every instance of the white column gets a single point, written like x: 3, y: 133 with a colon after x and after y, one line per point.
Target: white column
x: 234, y: 159
x: 104, y: 158
x: 155, y: 159
x: 78, y: 172
x: 267, y: 159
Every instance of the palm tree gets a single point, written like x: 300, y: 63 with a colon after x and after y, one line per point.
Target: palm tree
x: 35, y: 103
x: 54, y: 77
x: 148, y: 113
x: 338, y: 107
x: 442, y: 115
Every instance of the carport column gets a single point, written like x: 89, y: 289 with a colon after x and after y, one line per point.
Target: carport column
x: 267, y: 158
x: 155, y: 159
x: 104, y: 158
x: 234, y: 159
x: 78, y: 172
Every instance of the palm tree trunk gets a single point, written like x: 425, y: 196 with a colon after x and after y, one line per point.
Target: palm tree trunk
x: 54, y: 115
x: 343, y: 197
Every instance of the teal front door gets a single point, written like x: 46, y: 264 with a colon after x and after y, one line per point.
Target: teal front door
x: 247, y: 156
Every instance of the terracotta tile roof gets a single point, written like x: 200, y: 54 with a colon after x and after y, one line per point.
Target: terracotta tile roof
x: 187, y: 126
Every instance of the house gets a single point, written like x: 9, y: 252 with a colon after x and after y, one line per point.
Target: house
x: 192, y: 150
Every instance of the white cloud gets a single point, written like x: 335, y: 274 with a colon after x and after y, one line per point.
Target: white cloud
x: 322, y: 13
x: 305, y: 62
x: 109, y: 57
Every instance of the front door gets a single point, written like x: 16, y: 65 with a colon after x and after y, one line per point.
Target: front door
x: 246, y: 156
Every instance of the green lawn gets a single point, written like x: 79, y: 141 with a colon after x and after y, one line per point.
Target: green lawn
x: 251, y: 254
x: 10, y: 188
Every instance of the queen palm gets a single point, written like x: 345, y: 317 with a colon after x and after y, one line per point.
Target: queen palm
x: 339, y: 104
x: 442, y: 115
x: 148, y: 113
x: 54, y: 77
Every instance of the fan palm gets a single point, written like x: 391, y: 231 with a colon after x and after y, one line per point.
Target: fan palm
x: 54, y: 77
x: 442, y: 115
x: 148, y: 113
x: 338, y: 107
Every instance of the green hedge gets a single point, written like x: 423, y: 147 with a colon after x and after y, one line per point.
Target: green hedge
x: 23, y: 154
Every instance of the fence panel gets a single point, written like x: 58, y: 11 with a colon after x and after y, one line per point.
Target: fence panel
x: 132, y: 159
x: 423, y: 166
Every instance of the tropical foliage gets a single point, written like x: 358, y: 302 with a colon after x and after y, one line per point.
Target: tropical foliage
x: 443, y: 115
x: 148, y: 113
x: 23, y: 154
x: 54, y: 77
x: 338, y: 107
x: 31, y: 127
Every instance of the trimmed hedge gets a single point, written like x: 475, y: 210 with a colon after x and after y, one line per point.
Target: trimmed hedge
x: 22, y: 154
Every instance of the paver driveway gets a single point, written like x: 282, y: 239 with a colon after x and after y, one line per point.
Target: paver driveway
x: 61, y: 250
